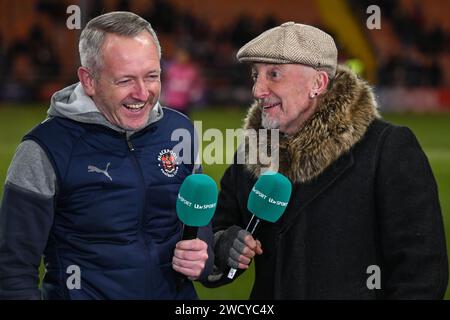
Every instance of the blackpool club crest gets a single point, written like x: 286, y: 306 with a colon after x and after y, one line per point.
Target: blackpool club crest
x: 167, y: 162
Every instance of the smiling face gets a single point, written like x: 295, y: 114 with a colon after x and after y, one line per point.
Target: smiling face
x: 128, y: 84
x: 284, y: 93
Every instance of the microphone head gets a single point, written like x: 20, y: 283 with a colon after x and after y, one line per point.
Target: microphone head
x: 197, y: 200
x: 269, y: 196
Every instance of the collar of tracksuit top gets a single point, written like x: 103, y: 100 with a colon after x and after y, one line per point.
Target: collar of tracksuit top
x: 115, y: 208
x: 72, y: 103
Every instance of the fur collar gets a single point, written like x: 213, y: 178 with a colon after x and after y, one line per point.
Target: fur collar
x: 341, y: 119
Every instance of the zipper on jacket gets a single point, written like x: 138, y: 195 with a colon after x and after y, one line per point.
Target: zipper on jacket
x: 130, y: 144
x: 141, y: 218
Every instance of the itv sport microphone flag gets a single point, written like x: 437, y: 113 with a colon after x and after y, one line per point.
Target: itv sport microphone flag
x: 269, y: 196
x: 197, y: 200
x: 267, y: 201
x: 196, y: 204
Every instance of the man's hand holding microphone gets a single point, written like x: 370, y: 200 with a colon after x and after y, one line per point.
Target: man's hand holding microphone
x: 196, y: 204
x: 268, y: 199
x: 236, y: 248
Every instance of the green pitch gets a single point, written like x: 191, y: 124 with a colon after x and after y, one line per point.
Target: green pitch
x: 432, y: 131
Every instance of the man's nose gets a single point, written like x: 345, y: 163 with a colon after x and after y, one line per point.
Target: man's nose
x: 140, y: 91
x: 260, y: 88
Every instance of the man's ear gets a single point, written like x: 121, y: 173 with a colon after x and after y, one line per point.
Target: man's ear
x: 321, y: 82
x: 87, y: 81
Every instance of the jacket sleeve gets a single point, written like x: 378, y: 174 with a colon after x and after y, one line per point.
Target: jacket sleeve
x: 228, y: 213
x: 26, y: 216
x: 412, y: 235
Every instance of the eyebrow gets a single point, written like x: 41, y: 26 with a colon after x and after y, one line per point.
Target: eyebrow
x: 134, y: 76
x: 271, y: 65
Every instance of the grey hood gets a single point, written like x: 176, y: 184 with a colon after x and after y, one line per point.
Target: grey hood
x: 73, y: 103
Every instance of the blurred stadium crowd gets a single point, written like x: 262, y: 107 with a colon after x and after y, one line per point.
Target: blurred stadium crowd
x: 38, y: 53
x: 415, y: 40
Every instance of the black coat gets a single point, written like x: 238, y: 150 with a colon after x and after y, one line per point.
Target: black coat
x: 375, y: 204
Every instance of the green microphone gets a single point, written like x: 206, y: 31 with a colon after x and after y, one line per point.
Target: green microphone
x: 196, y: 203
x: 267, y: 201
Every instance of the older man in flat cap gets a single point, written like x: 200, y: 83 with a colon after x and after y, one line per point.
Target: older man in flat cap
x: 364, y: 220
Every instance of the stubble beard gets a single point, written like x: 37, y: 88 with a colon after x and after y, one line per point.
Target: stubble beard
x: 269, y: 123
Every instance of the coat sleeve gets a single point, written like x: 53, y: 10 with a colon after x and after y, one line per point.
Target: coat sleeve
x: 229, y: 212
x: 26, y: 216
x: 411, y: 228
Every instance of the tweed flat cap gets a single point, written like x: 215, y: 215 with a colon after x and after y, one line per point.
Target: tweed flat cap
x: 293, y: 43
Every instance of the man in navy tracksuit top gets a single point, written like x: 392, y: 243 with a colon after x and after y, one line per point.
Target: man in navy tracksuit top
x: 93, y: 188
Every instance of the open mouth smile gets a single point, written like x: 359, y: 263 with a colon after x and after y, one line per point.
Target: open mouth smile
x: 134, y: 107
x: 268, y: 106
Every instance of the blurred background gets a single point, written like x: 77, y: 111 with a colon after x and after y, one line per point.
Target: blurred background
x: 407, y: 61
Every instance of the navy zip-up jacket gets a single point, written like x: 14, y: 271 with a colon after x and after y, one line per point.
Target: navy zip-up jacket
x: 112, y: 219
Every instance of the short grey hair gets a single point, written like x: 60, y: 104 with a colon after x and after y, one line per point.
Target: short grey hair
x: 118, y: 22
